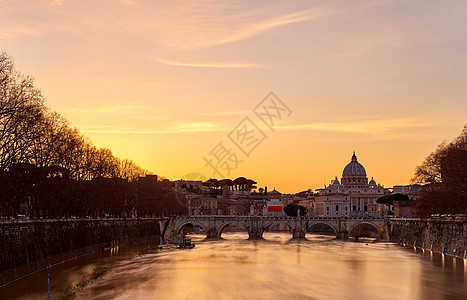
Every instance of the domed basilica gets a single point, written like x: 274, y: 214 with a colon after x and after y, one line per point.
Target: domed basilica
x: 354, y: 196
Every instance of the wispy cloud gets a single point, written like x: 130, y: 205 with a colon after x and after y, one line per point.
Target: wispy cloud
x: 223, y: 65
x: 56, y: 2
x: 129, y: 2
x: 195, y: 126
x: 228, y: 113
x: 377, y: 129
x: 206, y: 23
x: 117, y: 109
x: 183, y: 127
x: 245, y: 31
x: 15, y: 30
x: 373, y: 127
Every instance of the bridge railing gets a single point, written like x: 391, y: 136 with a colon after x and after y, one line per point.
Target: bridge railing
x: 27, y: 221
x: 205, y: 217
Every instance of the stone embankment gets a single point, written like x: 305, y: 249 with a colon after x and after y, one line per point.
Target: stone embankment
x: 28, y: 246
x: 441, y: 234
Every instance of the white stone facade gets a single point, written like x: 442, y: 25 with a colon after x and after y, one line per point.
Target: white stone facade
x: 354, y: 197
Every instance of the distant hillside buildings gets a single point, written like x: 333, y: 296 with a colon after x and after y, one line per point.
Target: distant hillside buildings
x: 354, y: 196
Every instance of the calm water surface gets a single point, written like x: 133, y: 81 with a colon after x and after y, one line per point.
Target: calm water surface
x: 274, y: 268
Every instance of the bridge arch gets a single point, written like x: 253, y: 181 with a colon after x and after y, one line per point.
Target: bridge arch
x: 269, y: 225
x: 192, y: 223
x: 276, y: 223
x: 327, y: 224
x: 363, y: 223
x: 237, y: 224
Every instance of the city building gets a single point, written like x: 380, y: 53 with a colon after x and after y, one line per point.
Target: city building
x: 403, y: 209
x: 354, y: 196
x: 274, y: 195
x: 309, y: 204
x: 406, y: 209
x: 413, y: 191
x: 274, y: 206
x: 200, y: 205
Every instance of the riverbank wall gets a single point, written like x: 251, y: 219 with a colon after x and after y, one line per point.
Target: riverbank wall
x: 28, y: 246
x: 447, y: 235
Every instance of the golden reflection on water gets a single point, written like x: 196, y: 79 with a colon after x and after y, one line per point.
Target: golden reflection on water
x: 465, y: 270
x: 278, y: 267
x: 114, y: 251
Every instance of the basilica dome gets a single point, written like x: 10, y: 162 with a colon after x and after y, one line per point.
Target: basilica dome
x: 354, y: 168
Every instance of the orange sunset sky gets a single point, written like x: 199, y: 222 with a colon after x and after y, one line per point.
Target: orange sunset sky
x: 163, y: 82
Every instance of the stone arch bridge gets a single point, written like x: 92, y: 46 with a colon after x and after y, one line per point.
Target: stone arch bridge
x: 256, y: 225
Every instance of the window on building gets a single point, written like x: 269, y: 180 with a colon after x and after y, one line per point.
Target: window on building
x: 345, y: 208
x: 354, y: 208
x: 327, y: 208
x: 337, y: 207
x: 365, y: 208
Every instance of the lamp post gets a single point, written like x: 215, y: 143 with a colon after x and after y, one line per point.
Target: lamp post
x: 48, y: 286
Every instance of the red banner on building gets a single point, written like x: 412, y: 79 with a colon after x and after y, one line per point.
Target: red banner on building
x: 274, y: 208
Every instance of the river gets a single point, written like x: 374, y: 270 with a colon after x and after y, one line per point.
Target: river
x: 277, y: 267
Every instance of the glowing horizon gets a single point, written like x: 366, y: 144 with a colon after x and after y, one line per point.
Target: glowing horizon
x: 162, y: 83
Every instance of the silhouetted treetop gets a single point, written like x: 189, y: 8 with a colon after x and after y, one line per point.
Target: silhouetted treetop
x: 445, y: 172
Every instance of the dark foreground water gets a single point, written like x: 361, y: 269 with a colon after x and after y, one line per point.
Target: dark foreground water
x: 274, y: 268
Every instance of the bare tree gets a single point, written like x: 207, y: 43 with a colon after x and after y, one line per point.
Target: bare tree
x: 445, y: 172
x: 51, y: 169
x: 129, y: 170
x: 21, y: 110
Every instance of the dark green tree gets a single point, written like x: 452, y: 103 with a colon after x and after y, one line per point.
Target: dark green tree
x: 389, y: 199
x: 292, y: 208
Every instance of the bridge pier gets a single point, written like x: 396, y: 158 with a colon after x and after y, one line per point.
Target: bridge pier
x: 343, y: 234
x: 254, y: 235
x: 298, y: 234
x: 254, y: 231
x: 342, y: 230
x: 299, y: 228
x: 212, y: 233
x: 385, y: 233
x: 211, y: 230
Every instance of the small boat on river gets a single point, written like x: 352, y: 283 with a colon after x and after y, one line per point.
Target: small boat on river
x: 162, y: 246
x: 186, y: 244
